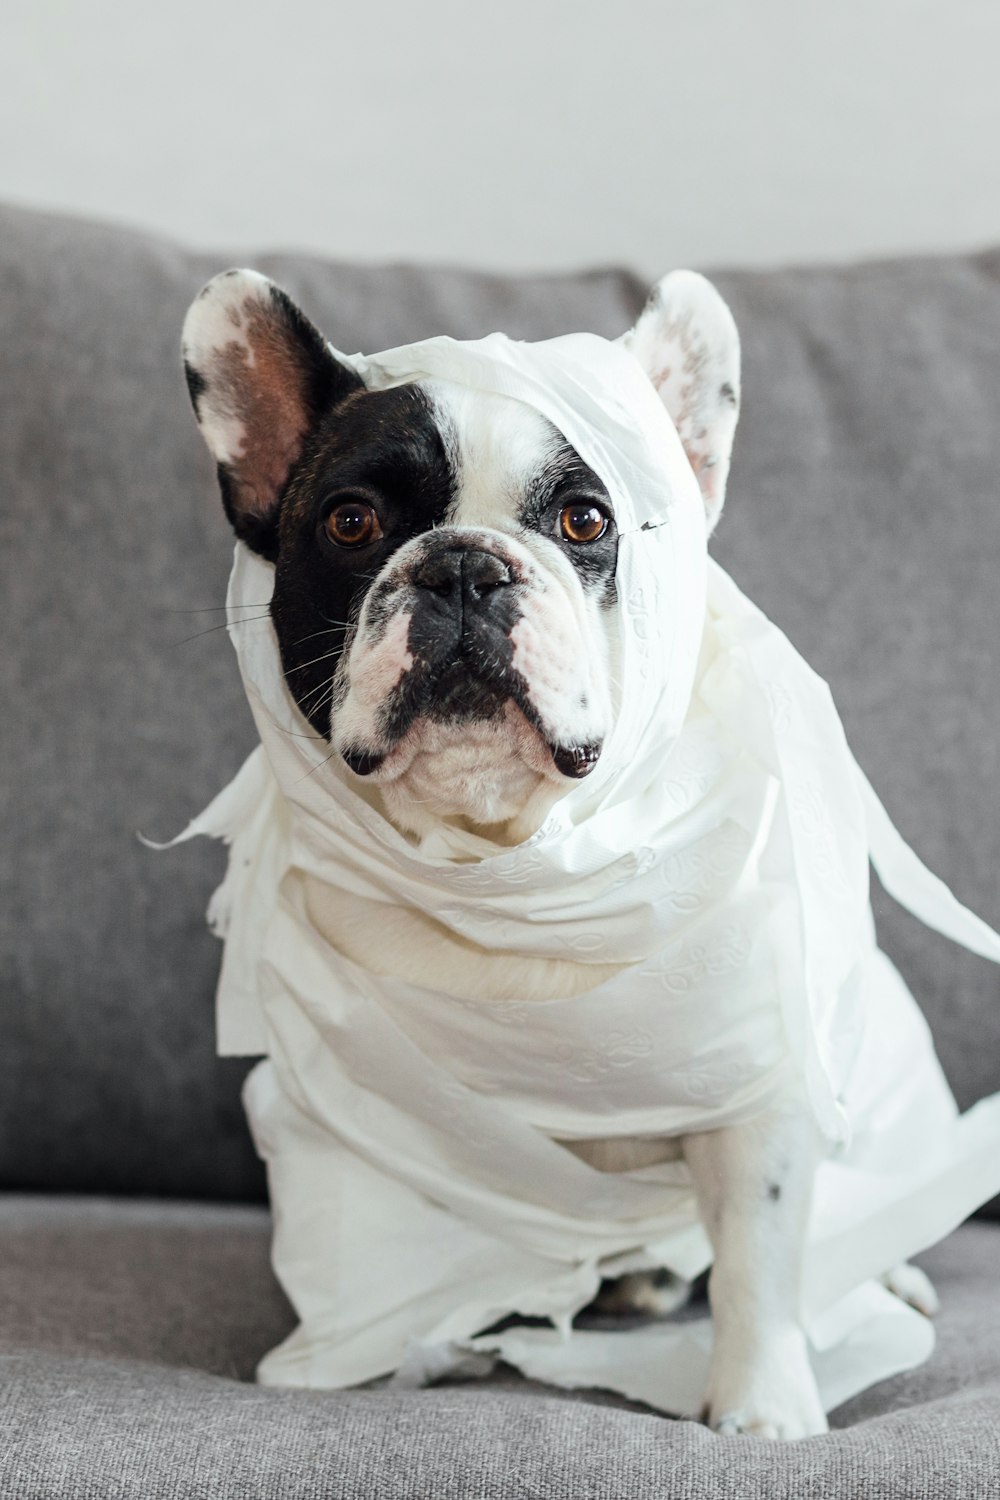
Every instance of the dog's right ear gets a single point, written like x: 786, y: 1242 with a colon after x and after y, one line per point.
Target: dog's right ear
x: 687, y: 343
x: 260, y: 377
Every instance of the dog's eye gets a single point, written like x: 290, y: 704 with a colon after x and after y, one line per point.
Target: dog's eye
x: 581, y: 521
x: 353, y: 524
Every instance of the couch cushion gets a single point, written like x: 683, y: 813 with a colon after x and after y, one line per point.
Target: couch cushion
x: 126, y: 1329
x: 863, y: 516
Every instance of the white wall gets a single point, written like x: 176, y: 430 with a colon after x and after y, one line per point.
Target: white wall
x: 528, y: 133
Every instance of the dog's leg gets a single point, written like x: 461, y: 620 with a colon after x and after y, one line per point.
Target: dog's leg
x: 754, y: 1185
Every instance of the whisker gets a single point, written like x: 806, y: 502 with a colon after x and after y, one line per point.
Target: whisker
x: 321, y: 702
x: 246, y: 620
x: 300, y: 666
x: 207, y: 609
x: 319, y: 765
x: 325, y: 688
x: 293, y: 733
x: 337, y: 625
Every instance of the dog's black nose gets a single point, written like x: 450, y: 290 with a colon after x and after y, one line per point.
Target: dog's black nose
x: 461, y: 573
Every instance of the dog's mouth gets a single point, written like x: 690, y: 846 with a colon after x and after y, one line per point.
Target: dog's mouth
x: 460, y: 692
x: 573, y: 761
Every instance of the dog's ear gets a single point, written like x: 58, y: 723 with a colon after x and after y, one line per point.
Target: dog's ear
x: 260, y: 377
x: 687, y: 343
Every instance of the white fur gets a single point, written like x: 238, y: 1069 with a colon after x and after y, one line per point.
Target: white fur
x: 216, y: 321
x: 754, y: 1187
x: 496, y: 445
x: 686, y: 341
x: 504, y: 778
x: 378, y: 664
x: 483, y: 773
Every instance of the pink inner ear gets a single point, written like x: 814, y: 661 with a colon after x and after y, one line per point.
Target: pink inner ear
x: 258, y: 383
x: 683, y: 377
x: 707, y: 472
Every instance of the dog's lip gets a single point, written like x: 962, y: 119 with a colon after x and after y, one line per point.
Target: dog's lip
x: 362, y: 762
x: 572, y: 761
x: 575, y: 761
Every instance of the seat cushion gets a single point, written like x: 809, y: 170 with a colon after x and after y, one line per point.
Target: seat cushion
x: 863, y: 516
x: 128, y: 1332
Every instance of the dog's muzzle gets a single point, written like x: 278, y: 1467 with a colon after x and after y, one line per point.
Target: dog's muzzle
x: 464, y: 601
x: 465, y: 604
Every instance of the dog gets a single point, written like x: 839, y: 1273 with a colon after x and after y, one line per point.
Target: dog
x: 444, y: 571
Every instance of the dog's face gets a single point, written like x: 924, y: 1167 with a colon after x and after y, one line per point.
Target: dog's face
x: 444, y: 559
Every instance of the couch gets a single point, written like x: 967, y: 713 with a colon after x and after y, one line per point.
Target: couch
x: 135, y: 1289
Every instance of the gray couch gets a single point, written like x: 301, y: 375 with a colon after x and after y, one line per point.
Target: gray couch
x: 135, y: 1293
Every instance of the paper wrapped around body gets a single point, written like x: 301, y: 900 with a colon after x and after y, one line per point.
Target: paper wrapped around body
x: 719, y: 851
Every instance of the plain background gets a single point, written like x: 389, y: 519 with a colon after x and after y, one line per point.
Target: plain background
x: 525, y: 135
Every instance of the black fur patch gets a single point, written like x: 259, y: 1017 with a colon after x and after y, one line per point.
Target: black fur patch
x: 258, y: 530
x: 195, y: 384
x: 565, y: 478
x: 385, y: 446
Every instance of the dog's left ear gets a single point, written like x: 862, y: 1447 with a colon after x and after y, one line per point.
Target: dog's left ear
x: 687, y: 343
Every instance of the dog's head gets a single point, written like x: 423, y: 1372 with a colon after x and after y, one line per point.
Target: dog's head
x: 444, y: 559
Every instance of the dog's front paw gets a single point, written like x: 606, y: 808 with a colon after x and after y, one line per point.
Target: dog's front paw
x: 772, y: 1395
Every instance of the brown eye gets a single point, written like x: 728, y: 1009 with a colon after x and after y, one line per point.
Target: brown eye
x: 353, y: 524
x: 582, y: 522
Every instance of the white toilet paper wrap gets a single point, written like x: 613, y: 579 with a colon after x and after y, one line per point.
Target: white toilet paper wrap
x: 719, y: 852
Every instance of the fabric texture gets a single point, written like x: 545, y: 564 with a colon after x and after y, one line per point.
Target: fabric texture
x: 120, y: 1379
x: 862, y: 516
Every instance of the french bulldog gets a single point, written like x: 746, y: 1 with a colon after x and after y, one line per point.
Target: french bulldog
x: 444, y: 569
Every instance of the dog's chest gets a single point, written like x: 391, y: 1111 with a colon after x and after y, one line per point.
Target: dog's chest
x: 399, y: 944
x: 406, y: 944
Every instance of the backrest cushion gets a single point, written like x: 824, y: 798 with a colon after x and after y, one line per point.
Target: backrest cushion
x: 863, y: 516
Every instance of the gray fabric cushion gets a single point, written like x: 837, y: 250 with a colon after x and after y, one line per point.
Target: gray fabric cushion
x: 863, y: 516
x: 125, y: 1330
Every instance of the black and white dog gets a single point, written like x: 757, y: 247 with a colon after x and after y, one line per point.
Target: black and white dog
x: 444, y: 566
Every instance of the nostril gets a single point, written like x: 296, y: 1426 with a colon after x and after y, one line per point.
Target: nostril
x: 440, y: 573
x: 462, y: 571
x: 482, y: 572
